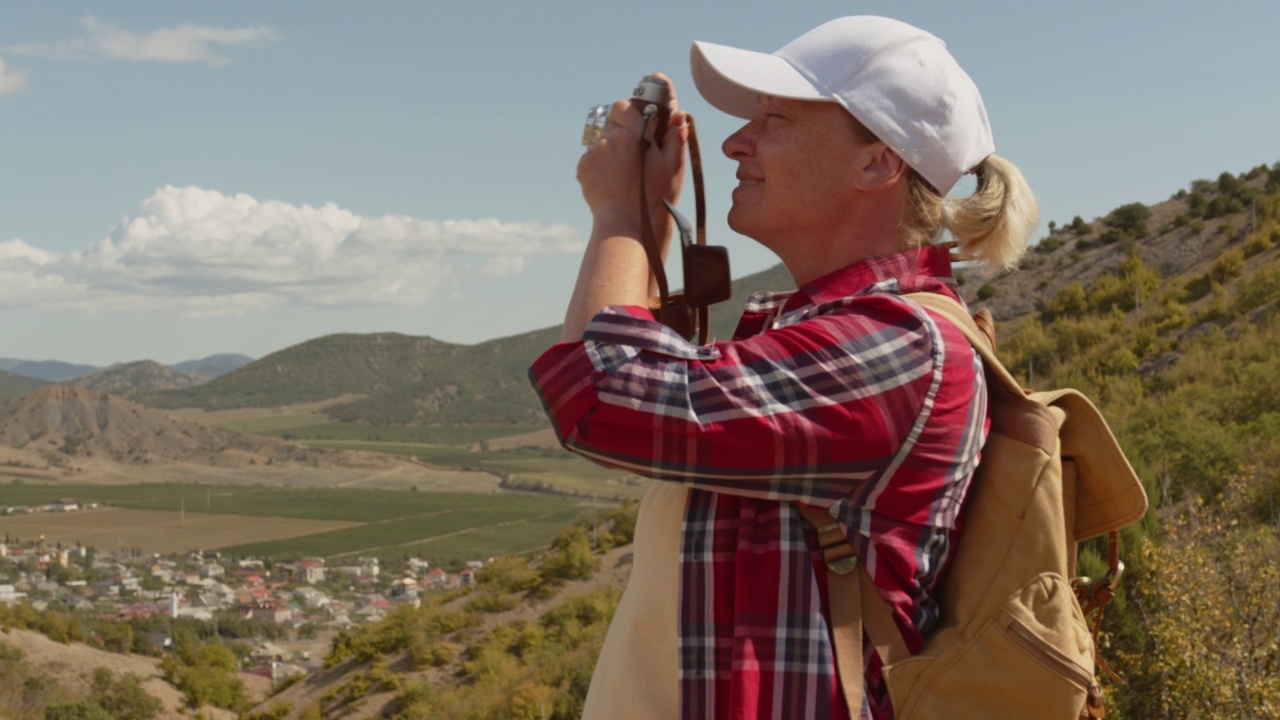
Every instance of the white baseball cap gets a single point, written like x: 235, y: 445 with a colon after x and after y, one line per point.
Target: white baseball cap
x: 897, y: 80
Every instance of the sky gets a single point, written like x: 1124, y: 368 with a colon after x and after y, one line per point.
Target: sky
x: 184, y: 179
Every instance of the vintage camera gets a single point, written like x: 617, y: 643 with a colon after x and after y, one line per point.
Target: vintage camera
x: 652, y: 96
x: 705, y: 267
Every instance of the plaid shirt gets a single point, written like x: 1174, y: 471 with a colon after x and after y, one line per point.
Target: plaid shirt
x: 842, y: 395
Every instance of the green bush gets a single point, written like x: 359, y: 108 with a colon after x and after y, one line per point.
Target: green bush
x: 1049, y: 244
x: 1131, y: 218
x: 986, y: 292
x: 569, y: 558
x: 123, y: 698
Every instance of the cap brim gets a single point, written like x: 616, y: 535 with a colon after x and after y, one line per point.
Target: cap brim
x: 732, y: 79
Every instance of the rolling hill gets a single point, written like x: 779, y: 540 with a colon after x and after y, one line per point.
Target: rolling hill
x: 127, y: 379
x: 408, y: 380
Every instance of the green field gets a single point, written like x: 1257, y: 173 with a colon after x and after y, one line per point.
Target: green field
x: 356, y: 505
x: 555, y: 470
x: 455, y: 448
x: 443, y: 526
x: 309, y: 426
x: 395, y: 535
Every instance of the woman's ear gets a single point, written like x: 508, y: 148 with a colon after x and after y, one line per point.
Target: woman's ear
x: 878, y: 167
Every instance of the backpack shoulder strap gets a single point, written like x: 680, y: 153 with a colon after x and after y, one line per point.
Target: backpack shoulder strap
x: 981, y: 342
x: 855, y: 605
x: 1110, y: 494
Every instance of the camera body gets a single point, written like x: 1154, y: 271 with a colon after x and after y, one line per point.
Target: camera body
x: 652, y: 95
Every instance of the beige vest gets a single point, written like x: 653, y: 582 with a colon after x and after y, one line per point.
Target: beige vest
x: 636, y: 675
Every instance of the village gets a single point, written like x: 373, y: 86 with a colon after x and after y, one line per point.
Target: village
x: 303, y: 602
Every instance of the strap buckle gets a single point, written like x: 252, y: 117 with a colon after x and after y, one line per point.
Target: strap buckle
x: 844, y: 565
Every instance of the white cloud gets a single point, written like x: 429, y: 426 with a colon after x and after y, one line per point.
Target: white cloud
x: 11, y: 81
x: 198, y: 252
x: 179, y: 44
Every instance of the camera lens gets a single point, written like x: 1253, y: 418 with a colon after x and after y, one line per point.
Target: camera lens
x: 597, y: 119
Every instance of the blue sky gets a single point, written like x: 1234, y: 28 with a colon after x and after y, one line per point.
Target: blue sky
x: 181, y: 179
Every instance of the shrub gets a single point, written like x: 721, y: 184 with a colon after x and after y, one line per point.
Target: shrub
x: 986, y: 292
x: 435, y: 653
x: 1131, y: 218
x: 569, y: 558
x: 1050, y: 244
x: 123, y: 698
x: 1229, y: 265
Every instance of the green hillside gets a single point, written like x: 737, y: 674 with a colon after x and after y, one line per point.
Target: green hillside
x: 408, y: 380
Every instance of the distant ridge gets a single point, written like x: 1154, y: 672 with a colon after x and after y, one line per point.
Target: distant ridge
x: 51, y: 370
x: 127, y: 379
x: 67, y: 421
x: 213, y: 366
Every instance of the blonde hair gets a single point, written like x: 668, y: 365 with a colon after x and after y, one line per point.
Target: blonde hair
x: 992, y: 226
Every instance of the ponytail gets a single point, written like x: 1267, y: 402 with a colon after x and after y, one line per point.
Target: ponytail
x: 992, y: 226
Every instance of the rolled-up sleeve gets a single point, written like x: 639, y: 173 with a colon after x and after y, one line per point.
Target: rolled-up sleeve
x: 814, y: 411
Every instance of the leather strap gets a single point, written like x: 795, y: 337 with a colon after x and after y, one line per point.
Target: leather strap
x: 855, y: 605
x: 706, y: 272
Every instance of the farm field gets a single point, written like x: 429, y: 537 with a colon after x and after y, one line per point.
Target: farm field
x: 288, y: 523
x: 164, y: 532
x: 526, y: 467
x: 528, y: 457
x: 306, y: 422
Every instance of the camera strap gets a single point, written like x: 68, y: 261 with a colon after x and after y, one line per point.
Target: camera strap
x: 705, y: 267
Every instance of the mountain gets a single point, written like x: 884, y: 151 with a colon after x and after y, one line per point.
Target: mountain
x: 213, y: 366
x: 61, y: 420
x: 12, y: 386
x: 51, y: 370
x: 405, y: 380
x: 131, y: 377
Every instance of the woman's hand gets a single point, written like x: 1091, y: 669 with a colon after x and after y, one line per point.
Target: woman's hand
x: 609, y: 172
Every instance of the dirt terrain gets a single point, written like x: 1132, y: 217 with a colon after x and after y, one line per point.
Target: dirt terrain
x: 71, y: 434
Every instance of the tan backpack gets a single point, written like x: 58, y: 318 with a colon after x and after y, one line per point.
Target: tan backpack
x: 1013, y: 640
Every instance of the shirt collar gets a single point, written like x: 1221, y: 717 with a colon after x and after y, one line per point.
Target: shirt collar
x: 928, y: 261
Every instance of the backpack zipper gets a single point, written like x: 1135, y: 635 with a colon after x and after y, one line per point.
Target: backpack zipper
x: 1049, y: 656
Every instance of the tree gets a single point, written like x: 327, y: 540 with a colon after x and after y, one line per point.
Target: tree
x: 1212, y: 610
x: 123, y: 698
